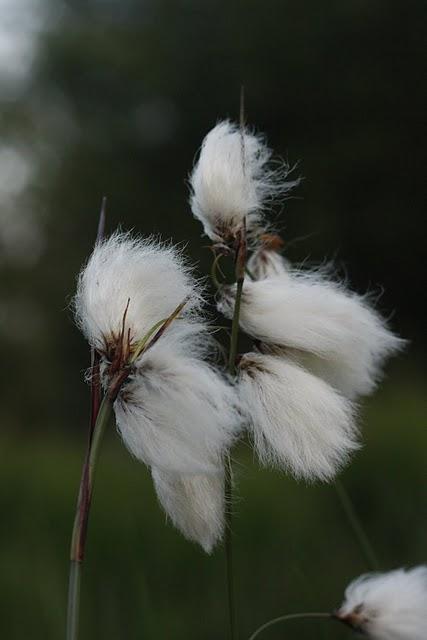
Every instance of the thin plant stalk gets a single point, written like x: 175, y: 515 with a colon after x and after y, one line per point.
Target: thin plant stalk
x: 240, y: 257
x: 290, y: 616
x: 235, y: 328
x: 215, y: 268
x: 95, y: 403
x: 95, y: 381
x: 73, y: 610
x: 78, y: 540
x: 228, y: 492
x: 356, y: 526
x: 228, y: 489
x: 96, y: 433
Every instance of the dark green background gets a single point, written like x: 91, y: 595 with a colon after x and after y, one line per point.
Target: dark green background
x: 117, y: 102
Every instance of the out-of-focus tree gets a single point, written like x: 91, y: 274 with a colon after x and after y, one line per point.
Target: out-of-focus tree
x: 108, y: 97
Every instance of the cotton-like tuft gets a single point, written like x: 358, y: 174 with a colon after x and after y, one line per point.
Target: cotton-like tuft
x: 299, y: 422
x: 194, y: 503
x: 233, y: 180
x: 331, y: 331
x: 142, y: 277
x: 388, y: 606
x: 266, y: 263
x: 176, y: 412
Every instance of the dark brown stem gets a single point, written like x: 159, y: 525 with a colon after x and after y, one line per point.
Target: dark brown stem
x: 95, y: 402
x: 240, y: 266
x: 78, y: 540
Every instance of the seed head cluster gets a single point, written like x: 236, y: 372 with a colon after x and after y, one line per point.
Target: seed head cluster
x: 175, y: 411
x: 317, y: 347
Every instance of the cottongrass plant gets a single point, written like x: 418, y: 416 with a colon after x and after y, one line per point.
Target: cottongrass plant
x: 317, y: 347
x: 298, y: 422
x: 140, y: 308
x: 388, y: 606
x: 333, y: 332
x: 233, y: 183
x: 380, y: 606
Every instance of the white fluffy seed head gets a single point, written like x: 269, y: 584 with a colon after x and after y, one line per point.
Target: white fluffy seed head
x: 147, y: 278
x: 331, y: 331
x: 194, y: 503
x: 176, y: 412
x: 266, y: 263
x: 233, y: 180
x: 299, y: 422
x: 388, y: 606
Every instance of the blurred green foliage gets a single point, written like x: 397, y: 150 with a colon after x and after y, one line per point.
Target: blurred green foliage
x: 119, y: 97
x: 293, y: 548
x: 117, y: 101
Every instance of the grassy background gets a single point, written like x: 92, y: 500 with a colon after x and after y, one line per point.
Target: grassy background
x: 115, y: 100
x: 293, y: 548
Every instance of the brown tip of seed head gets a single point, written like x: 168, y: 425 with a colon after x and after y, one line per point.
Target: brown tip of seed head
x: 251, y: 366
x: 272, y: 241
x: 354, y: 619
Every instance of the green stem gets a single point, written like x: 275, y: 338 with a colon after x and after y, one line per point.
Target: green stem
x: 73, y: 600
x: 228, y: 492
x: 356, y: 526
x: 214, y: 269
x: 290, y: 616
x: 157, y: 331
x: 78, y: 540
x: 250, y: 274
